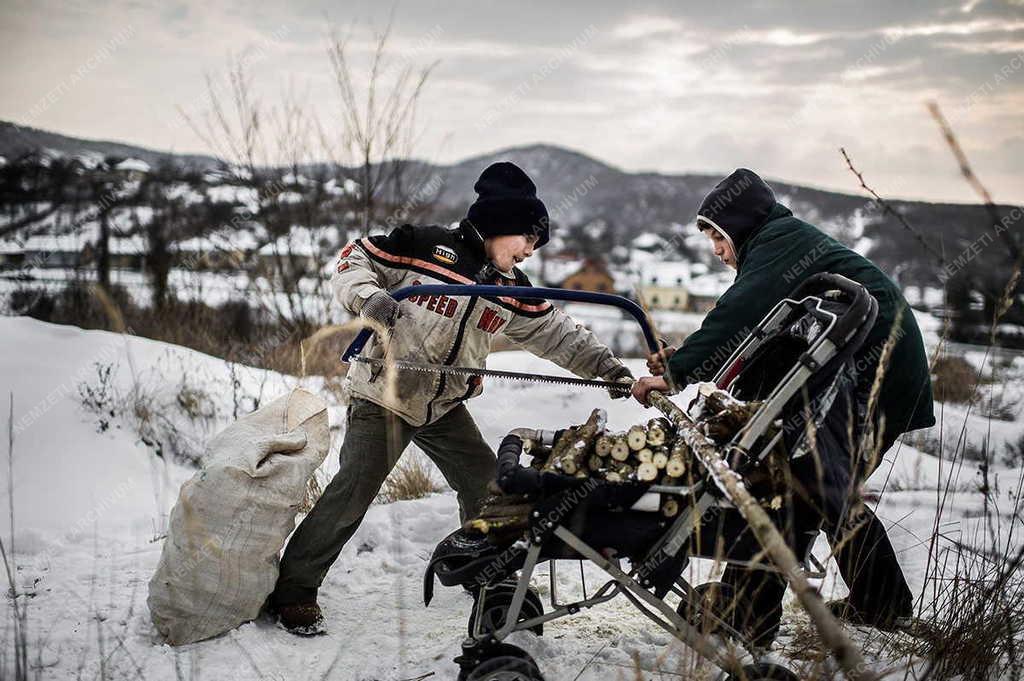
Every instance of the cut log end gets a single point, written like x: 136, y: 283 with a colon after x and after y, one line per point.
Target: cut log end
x: 675, y: 466
x: 620, y: 450
x: 636, y: 438
x: 647, y: 472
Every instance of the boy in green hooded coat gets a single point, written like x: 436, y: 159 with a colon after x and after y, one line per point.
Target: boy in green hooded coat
x: 773, y: 252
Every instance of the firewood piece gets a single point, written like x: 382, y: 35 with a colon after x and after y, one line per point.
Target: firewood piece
x: 646, y: 472
x: 553, y: 460
x: 603, y: 445
x: 656, y: 433
x: 636, y: 438
x: 595, y: 463
x: 645, y: 455
x: 670, y: 507
x: 488, y: 525
x: 573, y: 447
x: 613, y: 476
x: 660, y: 459
x: 625, y: 470
x: 620, y: 450
x: 496, y: 512
x: 722, y: 415
x: 675, y: 466
x: 714, y: 399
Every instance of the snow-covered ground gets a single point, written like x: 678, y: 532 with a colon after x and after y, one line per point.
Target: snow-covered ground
x: 90, y: 505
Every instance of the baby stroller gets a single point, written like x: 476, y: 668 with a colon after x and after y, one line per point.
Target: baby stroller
x: 803, y: 346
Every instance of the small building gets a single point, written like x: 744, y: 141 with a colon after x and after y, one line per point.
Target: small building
x: 132, y: 169
x: 649, y: 242
x: 128, y: 252
x: 706, y: 289
x: 301, y: 250
x: 47, y: 251
x: 222, y: 251
x: 545, y: 269
x: 663, y: 284
x: 592, y: 276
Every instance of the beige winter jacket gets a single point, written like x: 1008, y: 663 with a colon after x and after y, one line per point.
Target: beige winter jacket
x: 442, y: 330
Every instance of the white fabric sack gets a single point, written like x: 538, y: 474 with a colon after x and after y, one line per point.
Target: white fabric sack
x: 219, y: 561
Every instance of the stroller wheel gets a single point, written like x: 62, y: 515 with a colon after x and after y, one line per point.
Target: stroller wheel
x: 496, y: 604
x: 715, y: 597
x: 764, y: 671
x: 505, y: 663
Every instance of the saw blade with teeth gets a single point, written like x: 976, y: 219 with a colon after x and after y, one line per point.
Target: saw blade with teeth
x: 475, y: 371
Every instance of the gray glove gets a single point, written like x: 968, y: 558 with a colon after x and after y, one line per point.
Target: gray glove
x: 381, y: 308
x: 619, y: 374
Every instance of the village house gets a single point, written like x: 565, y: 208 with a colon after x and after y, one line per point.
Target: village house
x: 664, y: 285
x: 593, y: 275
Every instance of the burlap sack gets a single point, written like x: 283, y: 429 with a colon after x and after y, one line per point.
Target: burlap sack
x: 219, y: 561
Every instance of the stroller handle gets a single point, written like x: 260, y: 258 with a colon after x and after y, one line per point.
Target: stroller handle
x: 515, y: 479
x: 862, y: 304
x: 515, y: 293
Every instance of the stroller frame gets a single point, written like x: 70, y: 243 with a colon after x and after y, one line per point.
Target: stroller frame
x: 830, y: 334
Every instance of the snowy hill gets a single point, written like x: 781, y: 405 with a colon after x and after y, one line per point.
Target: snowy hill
x: 16, y: 140
x: 90, y: 503
x: 579, y: 189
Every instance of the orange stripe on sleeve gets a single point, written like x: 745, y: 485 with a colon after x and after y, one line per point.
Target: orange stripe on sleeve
x: 444, y: 271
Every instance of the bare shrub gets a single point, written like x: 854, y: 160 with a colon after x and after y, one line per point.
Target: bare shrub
x: 195, y: 402
x: 924, y: 441
x: 155, y: 418
x: 954, y: 380
x: 999, y: 406
x: 1014, y: 455
x: 98, y: 398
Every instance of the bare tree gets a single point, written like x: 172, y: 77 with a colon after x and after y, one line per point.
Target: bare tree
x: 272, y: 150
x: 378, y: 127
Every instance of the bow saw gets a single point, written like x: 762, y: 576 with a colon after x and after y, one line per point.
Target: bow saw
x: 516, y: 293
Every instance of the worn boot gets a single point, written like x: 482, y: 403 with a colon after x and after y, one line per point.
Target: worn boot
x: 883, y: 621
x: 301, y: 619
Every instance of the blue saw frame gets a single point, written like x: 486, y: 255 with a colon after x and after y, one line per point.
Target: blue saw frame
x: 517, y: 293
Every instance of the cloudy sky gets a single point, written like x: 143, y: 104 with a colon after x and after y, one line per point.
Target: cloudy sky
x: 665, y: 86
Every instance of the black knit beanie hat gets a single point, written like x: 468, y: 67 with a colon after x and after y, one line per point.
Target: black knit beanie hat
x: 507, y: 203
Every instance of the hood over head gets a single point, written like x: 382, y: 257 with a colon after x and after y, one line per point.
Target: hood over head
x: 737, y: 206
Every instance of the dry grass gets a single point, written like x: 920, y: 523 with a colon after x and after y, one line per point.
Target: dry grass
x: 975, y: 630
x: 412, y: 478
x: 18, y: 653
x: 233, y: 331
x: 314, y: 489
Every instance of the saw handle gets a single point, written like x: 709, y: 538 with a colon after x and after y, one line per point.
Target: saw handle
x: 516, y: 293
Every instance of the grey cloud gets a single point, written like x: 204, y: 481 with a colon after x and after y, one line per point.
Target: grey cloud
x: 660, y: 84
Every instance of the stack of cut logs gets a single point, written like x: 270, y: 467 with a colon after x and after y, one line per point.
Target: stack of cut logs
x: 644, y: 453
x: 648, y: 453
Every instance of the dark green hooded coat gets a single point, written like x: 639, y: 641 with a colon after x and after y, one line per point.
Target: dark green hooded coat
x: 775, y: 253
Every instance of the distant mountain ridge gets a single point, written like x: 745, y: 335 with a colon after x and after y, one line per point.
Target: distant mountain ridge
x: 16, y: 140
x: 579, y: 189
